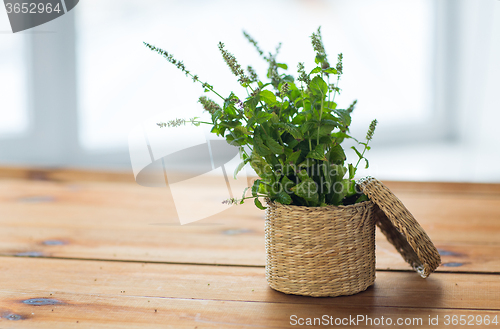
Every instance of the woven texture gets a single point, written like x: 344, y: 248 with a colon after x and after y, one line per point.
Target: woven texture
x: 320, y: 251
x: 401, y: 228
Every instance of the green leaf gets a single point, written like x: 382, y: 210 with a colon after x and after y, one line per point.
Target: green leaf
x: 289, y: 78
x: 303, y: 176
x: 340, y: 136
x: 299, y: 119
x: 307, y: 190
x: 273, y: 119
x: 261, y: 167
x: 326, y: 174
x: 263, y: 187
x: 336, y: 155
x: 367, y: 163
x: 319, y: 59
x: 262, y: 85
x: 328, y: 122
x: 317, y: 69
x: 291, y: 129
x: 293, y: 143
x: 292, y: 159
x: 362, y: 198
x: 231, y: 124
x: 294, y: 94
x: 352, y: 171
x: 318, y: 86
x: 230, y: 111
x: 216, y: 115
x: 287, y: 184
x: 259, y: 204
x: 235, y: 141
x: 262, y: 117
x: 252, y: 102
x: 273, y: 145
x: 324, y: 130
x: 357, y: 152
x: 330, y: 105
x: 244, y: 192
x: 318, y: 153
x: 283, y: 198
x: 240, y: 166
x: 268, y: 96
x: 327, y: 140
x: 331, y: 70
x: 308, y: 126
x: 255, y: 187
x: 344, y: 117
x: 342, y: 171
x: 242, y: 130
x: 349, y: 187
x: 282, y: 65
x: 259, y: 146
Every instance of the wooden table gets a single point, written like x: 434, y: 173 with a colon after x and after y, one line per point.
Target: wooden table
x: 96, y: 250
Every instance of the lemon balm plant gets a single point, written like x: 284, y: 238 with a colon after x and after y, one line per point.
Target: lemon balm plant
x: 288, y: 129
x: 319, y: 223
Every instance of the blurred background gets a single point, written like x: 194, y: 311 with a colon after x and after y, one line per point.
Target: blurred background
x: 72, y: 90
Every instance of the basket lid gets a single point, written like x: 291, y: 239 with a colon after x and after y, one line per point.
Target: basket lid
x: 401, y: 228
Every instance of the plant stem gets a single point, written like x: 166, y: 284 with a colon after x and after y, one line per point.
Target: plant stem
x: 212, y: 90
x: 362, y: 156
x: 335, y: 90
x: 319, y: 124
x: 329, y: 91
x: 263, y: 106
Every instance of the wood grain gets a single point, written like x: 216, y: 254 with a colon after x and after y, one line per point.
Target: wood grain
x: 93, y: 250
x: 94, y: 311
x: 101, y: 294
x: 65, y: 175
x: 48, y: 278
x: 113, y: 220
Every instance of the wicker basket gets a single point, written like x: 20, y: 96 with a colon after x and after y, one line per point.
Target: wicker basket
x: 330, y: 251
x: 320, y: 251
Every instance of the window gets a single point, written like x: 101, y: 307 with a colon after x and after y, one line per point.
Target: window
x: 13, y: 87
x: 399, y: 60
x: 387, y: 46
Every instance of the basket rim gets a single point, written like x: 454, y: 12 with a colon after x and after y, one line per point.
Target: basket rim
x: 327, y: 207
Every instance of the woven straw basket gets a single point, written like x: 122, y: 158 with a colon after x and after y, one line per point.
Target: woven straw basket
x: 330, y: 251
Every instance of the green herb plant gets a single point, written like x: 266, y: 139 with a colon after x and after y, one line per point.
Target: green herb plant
x: 289, y: 130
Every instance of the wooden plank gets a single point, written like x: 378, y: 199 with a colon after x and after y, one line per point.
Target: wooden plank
x: 444, y: 187
x: 124, y: 221
x: 191, y: 247
x: 42, y: 277
x: 65, y: 175
x: 47, y: 293
x: 468, y: 218
x: 121, y: 221
x: 455, y: 257
x: 94, y: 311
